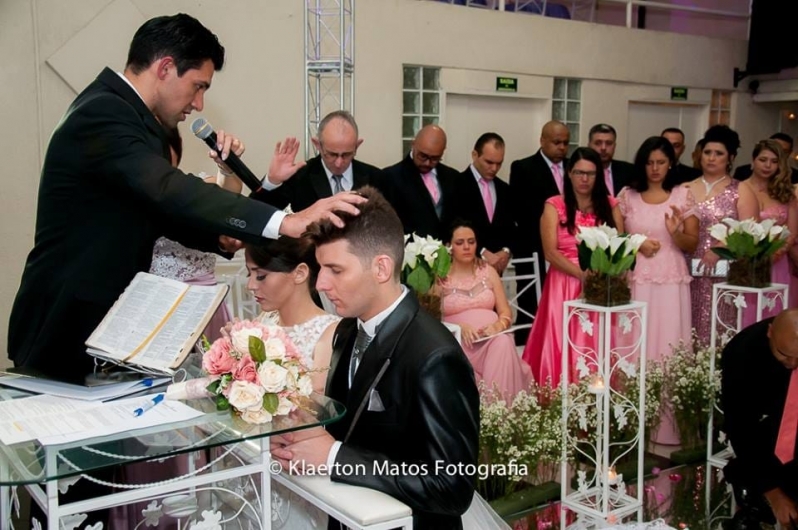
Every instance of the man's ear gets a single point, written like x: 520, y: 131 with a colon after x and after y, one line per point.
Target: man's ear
x: 359, y: 141
x: 163, y: 66
x: 316, y: 144
x: 383, y: 268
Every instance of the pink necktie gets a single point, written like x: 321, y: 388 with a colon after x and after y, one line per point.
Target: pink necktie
x: 555, y: 170
x: 608, y: 181
x: 486, y: 198
x: 785, y: 443
x: 429, y: 182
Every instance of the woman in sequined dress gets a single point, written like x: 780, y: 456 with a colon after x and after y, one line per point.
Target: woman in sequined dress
x: 717, y: 197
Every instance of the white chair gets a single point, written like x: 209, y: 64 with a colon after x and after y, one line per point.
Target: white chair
x: 356, y: 507
x: 510, y: 282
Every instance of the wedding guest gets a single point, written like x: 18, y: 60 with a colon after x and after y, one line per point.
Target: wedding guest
x: 717, y: 197
x: 474, y: 298
x: 585, y: 202
x: 653, y: 206
x: 679, y: 172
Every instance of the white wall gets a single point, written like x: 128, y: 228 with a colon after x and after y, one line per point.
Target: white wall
x: 259, y: 93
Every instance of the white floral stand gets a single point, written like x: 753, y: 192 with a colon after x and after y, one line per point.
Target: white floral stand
x: 620, y: 334
x: 767, y: 298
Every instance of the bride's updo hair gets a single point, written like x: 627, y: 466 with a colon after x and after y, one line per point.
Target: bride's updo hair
x: 284, y: 255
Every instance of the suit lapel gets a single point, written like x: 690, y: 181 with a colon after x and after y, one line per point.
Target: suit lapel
x: 319, y: 180
x: 476, y: 193
x: 415, y: 181
x: 343, y: 341
x: 359, y: 179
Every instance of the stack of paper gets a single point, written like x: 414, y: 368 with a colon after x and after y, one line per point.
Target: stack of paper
x: 107, y: 392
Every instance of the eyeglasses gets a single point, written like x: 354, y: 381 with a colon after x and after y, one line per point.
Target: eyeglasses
x: 578, y: 173
x: 428, y: 158
x: 329, y: 155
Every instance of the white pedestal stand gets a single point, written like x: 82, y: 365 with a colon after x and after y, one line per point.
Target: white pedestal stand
x: 619, y: 340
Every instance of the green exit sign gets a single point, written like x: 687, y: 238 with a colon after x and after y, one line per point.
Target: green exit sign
x: 506, y: 84
x: 679, y: 93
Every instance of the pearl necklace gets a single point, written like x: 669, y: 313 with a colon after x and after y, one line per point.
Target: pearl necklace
x: 708, y: 187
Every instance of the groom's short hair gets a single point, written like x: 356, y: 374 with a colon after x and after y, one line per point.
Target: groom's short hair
x: 376, y: 230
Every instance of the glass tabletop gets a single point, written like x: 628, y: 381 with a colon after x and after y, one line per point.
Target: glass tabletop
x: 32, y: 462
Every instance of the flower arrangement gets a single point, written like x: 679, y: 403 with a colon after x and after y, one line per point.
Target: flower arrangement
x: 256, y: 371
x: 751, y: 246
x: 522, y: 439
x: 607, y: 255
x: 691, y: 391
x: 426, y: 260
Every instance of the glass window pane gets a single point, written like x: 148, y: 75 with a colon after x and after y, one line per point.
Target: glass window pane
x: 429, y: 120
x: 725, y: 117
x: 412, y: 76
x: 406, y: 145
x: 431, y: 100
x: 571, y: 149
x: 432, y: 78
x: 558, y: 110
x: 725, y: 100
x: 411, y: 102
x: 410, y: 126
x: 559, y: 88
x: 574, y: 89
x: 573, y: 128
x: 573, y: 111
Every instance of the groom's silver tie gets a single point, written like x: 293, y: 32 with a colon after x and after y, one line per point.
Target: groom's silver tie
x: 361, y: 343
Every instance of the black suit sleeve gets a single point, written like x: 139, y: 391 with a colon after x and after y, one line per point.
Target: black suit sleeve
x: 450, y: 428
x: 129, y: 166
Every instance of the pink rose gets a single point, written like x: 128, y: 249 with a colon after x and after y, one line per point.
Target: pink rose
x: 218, y: 360
x: 246, y: 370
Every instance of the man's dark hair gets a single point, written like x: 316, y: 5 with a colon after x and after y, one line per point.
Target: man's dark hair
x: 181, y: 37
x: 673, y: 130
x: 376, y: 230
x: 639, y: 181
x: 784, y: 137
x: 488, y: 138
x: 602, y: 128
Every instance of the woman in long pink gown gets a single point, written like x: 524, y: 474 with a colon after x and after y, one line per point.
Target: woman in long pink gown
x: 473, y: 298
x: 585, y: 202
x: 771, y: 185
x: 653, y: 207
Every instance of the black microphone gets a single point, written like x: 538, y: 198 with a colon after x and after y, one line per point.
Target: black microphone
x: 203, y: 130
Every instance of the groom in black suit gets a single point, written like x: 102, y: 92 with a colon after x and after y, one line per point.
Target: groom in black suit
x: 108, y: 191
x: 409, y: 390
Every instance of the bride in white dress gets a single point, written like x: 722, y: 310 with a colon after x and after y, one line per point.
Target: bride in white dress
x: 282, y: 274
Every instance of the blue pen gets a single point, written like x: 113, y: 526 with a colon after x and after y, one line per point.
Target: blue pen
x: 148, y: 405
x: 146, y: 382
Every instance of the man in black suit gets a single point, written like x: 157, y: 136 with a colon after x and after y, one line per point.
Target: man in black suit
x: 412, y: 405
x: 759, y: 394
x: 485, y: 201
x: 680, y: 173
x: 108, y: 191
x: 422, y: 187
x: 332, y: 171
x: 617, y: 173
x: 533, y: 180
x: 786, y: 143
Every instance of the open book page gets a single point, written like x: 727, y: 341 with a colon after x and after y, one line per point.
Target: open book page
x: 136, y: 316
x: 182, y: 330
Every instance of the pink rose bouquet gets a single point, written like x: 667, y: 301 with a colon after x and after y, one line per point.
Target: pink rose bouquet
x: 256, y: 371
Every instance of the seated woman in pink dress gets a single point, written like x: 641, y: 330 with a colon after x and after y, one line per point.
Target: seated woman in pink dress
x: 775, y: 199
x: 652, y: 206
x: 585, y: 202
x: 473, y: 298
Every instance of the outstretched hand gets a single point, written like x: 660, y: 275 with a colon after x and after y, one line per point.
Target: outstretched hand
x: 295, y: 224
x: 283, y: 164
x: 674, y: 219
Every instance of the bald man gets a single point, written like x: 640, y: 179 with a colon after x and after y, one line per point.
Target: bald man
x: 422, y: 187
x: 533, y: 180
x: 759, y: 365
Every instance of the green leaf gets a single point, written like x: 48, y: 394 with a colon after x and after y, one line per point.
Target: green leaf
x: 443, y: 262
x: 773, y: 247
x: 622, y: 265
x: 222, y: 403
x: 723, y: 252
x: 270, y: 403
x: 256, y: 349
x: 584, y: 256
x: 420, y: 280
x: 213, y: 388
x: 599, y: 261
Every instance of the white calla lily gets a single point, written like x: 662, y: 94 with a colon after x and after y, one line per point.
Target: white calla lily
x: 719, y: 232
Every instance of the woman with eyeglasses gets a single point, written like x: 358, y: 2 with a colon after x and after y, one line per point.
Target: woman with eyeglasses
x: 585, y: 202
x: 654, y: 207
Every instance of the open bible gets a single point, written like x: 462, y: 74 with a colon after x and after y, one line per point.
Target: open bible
x: 155, y: 323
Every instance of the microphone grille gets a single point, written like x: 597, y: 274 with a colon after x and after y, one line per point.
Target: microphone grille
x: 201, y: 128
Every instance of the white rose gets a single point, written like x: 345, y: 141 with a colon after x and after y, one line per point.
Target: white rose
x: 256, y: 415
x: 292, y: 376
x: 245, y: 395
x: 241, y: 337
x: 719, y: 232
x: 275, y: 349
x: 284, y: 406
x: 305, y: 385
x: 272, y: 377
x: 588, y: 236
